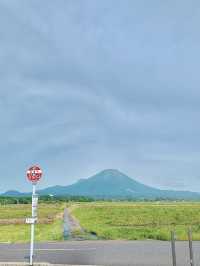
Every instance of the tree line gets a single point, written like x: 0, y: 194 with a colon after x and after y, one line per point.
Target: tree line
x: 43, y: 199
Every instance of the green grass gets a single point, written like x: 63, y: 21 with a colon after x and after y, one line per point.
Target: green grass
x: 16, y: 211
x: 117, y: 220
x: 134, y: 221
x: 21, y: 232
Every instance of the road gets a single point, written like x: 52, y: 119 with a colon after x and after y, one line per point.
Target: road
x: 110, y: 253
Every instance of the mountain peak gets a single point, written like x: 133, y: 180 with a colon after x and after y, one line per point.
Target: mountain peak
x: 106, y: 177
x: 111, y: 176
x: 114, y: 172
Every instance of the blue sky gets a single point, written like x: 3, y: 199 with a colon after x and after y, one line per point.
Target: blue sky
x: 95, y: 84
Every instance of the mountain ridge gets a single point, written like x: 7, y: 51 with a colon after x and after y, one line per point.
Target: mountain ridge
x: 111, y: 183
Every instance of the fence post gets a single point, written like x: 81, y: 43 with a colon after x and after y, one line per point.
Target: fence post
x: 190, y: 247
x: 173, y: 248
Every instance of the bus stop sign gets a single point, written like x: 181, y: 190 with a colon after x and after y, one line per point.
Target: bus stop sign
x: 34, y: 174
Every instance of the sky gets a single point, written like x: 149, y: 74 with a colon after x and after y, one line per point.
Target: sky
x: 96, y: 84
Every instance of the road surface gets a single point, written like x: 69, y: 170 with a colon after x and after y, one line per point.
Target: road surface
x: 110, y: 253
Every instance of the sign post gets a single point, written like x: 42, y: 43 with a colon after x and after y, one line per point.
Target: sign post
x: 34, y: 174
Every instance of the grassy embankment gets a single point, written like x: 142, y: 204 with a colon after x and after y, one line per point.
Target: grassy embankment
x: 13, y: 228
x: 139, y: 220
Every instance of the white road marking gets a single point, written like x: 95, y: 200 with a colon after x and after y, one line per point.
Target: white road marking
x: 58, y: 249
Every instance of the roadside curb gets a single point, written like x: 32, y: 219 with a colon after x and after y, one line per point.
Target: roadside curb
x: 36, y: 264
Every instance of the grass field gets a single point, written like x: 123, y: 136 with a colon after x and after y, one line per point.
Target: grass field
x: 16, y: 211
x: 106, y: 220
x: 45, y: 231
x: 134, y: 221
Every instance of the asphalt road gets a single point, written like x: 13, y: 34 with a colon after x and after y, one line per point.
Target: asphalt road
x: 115, y: 253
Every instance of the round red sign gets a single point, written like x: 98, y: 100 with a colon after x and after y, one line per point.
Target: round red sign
x: 34, y: 174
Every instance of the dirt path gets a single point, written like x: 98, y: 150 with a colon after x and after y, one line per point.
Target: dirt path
x: 71, y: 224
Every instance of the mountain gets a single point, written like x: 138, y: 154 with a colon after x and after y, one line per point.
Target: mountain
x: 12, y: 193
x: 113, y: 184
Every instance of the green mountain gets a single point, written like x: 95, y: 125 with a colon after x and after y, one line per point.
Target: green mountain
x: 112, y: 183
x: 115, y: 185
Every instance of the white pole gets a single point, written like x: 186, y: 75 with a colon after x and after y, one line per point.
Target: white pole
x: 32, y: 228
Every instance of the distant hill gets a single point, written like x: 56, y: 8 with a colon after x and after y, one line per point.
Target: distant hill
x: 112, y: 184
x: 12, y: 193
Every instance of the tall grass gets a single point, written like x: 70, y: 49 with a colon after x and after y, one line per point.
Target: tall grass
x: 139, y: 220
x: 21, y: 232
